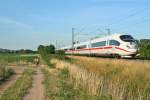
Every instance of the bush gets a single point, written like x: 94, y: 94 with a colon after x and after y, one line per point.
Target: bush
x: 144, y: 49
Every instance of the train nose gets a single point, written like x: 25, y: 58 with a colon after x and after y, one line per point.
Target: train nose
x: 132, y: 45
x: 133, y: 51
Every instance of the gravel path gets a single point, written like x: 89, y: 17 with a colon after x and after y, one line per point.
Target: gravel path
x: 37, y: 90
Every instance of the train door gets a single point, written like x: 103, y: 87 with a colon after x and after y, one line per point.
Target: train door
x: 107, y: 51
x: 111, y: 49
x: 113, y: 44
x: 89, y: 47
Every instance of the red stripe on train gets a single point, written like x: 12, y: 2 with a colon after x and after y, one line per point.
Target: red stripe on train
x: 89, y: 49
x: 121, y: 49
x: 109, y: 47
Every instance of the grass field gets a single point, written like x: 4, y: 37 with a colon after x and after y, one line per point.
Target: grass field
x: 109, y: 79
x: 16, y: 86
x: 10, y: 58
x: 5, y: 59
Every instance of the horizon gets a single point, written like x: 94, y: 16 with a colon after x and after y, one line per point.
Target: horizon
x: 30, y: 23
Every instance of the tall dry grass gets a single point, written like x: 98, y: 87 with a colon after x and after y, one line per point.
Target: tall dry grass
x: 116, y: 79
x: 5, y: 71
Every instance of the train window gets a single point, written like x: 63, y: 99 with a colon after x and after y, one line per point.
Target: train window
x: 99, y: 44
x: 114, y: 42
x: 81, y: 47
x: 127, y: 38
x: 72, y: 49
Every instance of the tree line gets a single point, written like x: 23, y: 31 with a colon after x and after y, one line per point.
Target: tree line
x: 21, y: 51
x: 144, y: 48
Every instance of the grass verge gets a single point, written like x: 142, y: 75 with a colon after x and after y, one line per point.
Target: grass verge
x: 11, y: 58
x: 47, y: 59
x: 49, y: 85
x: 60, y: 86
x: 20, y: 87
x: 109, y: 80
x: 69, y: 90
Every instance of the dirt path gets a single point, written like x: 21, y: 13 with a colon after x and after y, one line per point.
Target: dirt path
x: 19, y: 70
x: 37, y: 91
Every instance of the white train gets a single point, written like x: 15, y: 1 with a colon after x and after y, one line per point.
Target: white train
x: 120, y: 45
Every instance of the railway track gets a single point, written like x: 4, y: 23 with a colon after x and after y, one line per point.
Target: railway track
x: 111, y: 58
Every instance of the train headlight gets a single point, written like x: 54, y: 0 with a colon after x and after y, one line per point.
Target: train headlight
x: 128, y: 47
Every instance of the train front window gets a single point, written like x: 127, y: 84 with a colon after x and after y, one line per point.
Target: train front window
x: 127, y: 38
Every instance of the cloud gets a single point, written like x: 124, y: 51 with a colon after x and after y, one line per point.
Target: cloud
x: 6, y: 20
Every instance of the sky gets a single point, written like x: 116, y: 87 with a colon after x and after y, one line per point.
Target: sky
x: 25, y: 24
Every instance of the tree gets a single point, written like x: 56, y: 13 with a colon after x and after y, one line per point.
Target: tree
x: 144, y: 48
x: 41, y: 50
x: 51, y: 49
x: 44, y: 50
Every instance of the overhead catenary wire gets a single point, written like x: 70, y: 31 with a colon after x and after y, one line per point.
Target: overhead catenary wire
x: 134, y: 25
x: 135, y: 13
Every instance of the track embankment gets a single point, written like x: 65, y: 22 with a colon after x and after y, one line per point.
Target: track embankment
x: 111, y: 59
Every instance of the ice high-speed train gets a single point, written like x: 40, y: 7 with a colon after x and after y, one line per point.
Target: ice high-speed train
x: 120, y: 45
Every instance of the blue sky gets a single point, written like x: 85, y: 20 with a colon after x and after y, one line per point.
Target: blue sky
x: 29, y: 23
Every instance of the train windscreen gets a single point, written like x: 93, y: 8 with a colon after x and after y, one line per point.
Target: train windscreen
x: 127, y: 38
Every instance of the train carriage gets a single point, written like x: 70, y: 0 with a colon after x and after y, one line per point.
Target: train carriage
x: 122, y: 45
